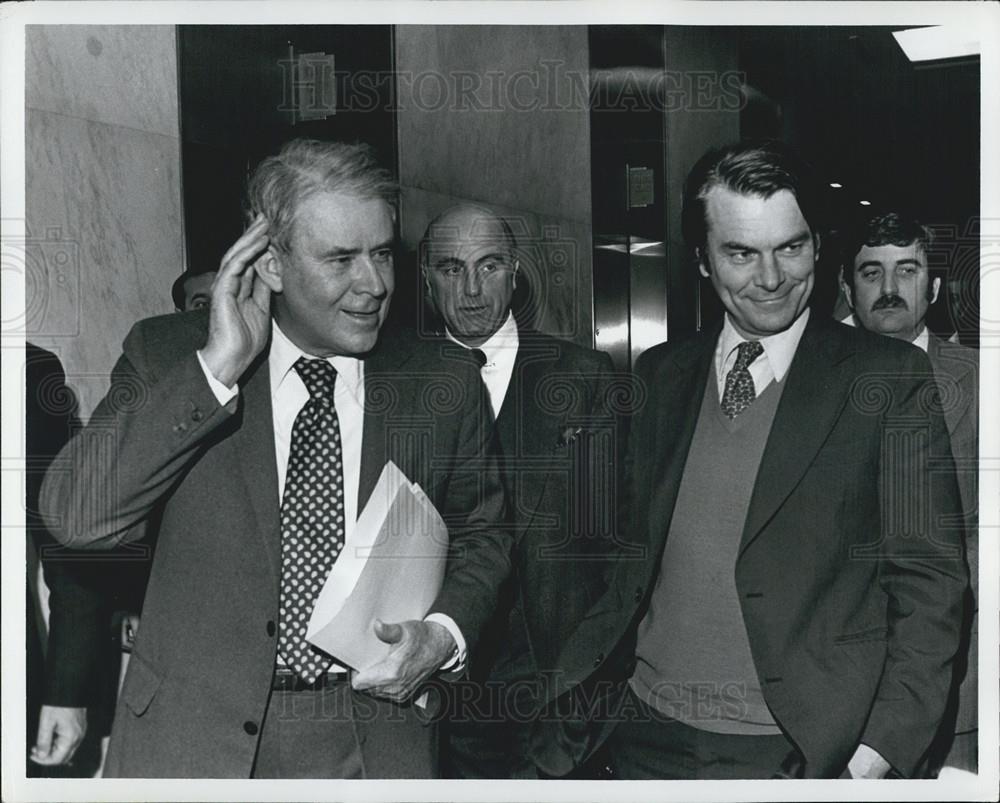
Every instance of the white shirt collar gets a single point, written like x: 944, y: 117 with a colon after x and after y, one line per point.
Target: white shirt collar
x: 779, y: 348
x: 921, y: 341
x: 284, y: 353
x: 503, y: 339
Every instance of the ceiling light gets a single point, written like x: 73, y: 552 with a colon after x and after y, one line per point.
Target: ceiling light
x: 938, y: 42
x: 865, y: 203
x: 836, y: 185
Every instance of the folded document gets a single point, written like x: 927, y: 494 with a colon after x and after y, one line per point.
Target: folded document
x: 392, y: 569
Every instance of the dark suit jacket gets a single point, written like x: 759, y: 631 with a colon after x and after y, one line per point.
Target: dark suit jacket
x: 851, y: 582
x: 200, y: 674
x: 559, y: 441
x: 78, y: 652
x: 956, y: 369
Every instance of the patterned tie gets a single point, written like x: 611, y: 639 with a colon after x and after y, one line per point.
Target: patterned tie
x: 312, y: 516
x: 740, y: 392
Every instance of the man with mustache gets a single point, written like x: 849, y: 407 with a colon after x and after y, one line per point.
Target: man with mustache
x: 253, y: 433
x: 786, y: 619
x: 888, y: 285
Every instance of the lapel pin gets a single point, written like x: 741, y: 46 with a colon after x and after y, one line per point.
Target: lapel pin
x: 568, y: 435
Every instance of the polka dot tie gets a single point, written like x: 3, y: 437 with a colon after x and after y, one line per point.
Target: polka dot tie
x: 312, y: 516
x: 740, y: 392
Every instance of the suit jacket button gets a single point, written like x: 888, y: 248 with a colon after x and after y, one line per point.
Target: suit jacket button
x: 250, y: 728
x: 638, y: 594
x: 197, y: 415
x: 271, y: 629
x: 599, y: 659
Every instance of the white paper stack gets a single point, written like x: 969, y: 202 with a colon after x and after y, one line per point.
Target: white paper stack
x: 392, y: 570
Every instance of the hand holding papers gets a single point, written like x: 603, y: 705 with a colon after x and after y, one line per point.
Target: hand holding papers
x: 417, y: 650
x: 391, y: 570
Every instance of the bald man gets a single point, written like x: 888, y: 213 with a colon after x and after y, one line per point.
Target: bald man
x: 558, y: 438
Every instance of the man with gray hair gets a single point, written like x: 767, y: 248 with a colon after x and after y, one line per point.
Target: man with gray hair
x: 254, y: 433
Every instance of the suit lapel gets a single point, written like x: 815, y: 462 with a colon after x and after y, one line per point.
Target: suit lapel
x: 684, y: 388
x: 254, y: 444
x: 524, y: 428
x: 817, y: 387
x: 385, y: 390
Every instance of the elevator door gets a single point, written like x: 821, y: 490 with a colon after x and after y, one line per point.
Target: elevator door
x: 660, y: 97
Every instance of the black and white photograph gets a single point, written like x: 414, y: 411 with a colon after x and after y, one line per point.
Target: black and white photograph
x: 500, y: 400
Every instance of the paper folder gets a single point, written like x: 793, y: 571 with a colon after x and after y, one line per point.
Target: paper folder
x: 391, y: 569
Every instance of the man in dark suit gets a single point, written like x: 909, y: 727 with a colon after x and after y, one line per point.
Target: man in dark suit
x: 65, y: 697
x: 797, y: 609
x: 888, y: 285
x: 558, y: 440
x: 192, y: 290
x: 71, y: 690
x: 254, y: 434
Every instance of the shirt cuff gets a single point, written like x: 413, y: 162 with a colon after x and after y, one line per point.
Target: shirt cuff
x: 223, y: 394
x: 456, y: 663
x: 867, y: 762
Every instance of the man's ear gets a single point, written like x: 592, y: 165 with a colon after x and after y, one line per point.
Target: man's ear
x: 817, y: 242
x: 702, y: 262
x: 845, y: 288
x: 935, y: 288
x: 270, y: 269
x: 513, y: 278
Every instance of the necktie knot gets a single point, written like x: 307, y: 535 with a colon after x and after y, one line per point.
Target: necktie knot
x: 319, y: 378
x: 479, y: 356
x: 746, y: 353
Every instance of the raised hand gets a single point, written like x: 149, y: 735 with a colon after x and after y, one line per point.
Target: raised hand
x: 418, y: 650
x: 240, y: 317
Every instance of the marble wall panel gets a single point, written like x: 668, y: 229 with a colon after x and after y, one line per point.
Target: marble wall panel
x: 499, y: 115
x: 118, y: 74
x: 496, y: 113
x: 104, y: 224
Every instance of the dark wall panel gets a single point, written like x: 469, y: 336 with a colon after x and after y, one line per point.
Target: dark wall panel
x: 237, y: 92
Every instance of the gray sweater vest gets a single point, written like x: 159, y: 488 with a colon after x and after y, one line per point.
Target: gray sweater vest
x: 693, y: 656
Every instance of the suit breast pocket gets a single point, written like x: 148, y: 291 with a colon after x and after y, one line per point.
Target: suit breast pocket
x: 869, y: 634
x: 141, y: 685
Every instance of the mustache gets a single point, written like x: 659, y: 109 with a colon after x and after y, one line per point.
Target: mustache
x: 890, y: 301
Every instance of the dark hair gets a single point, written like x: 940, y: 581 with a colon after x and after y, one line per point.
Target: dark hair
x: 889, y: 228
x: 304, y: 167
x: 749, y: 168
x: 177, y: 288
